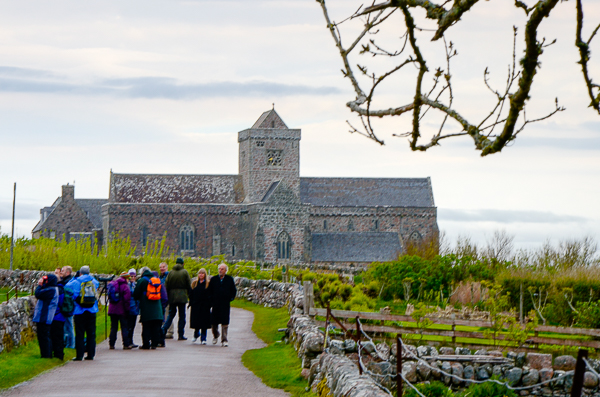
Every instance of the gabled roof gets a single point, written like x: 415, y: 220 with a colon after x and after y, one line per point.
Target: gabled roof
x: 367, y: 192
x: 355, y: 247
x: 270, y: 119
x: 91, y: 207
x: 185, y: 189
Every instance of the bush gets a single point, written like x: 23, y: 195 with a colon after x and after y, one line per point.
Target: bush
x: 487, y: 389
x: 433, y: 389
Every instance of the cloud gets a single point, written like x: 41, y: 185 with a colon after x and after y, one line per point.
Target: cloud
x: 506, y: 216
x: 22, y: 211
x: 27, y: 80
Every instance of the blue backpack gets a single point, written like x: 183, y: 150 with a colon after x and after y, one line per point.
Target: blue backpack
x: 113, y: 293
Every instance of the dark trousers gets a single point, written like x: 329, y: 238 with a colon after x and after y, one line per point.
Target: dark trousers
x: 200, y: 332
x: 151, y: 333
x: 173, y: 308
x: 43, y: 334
x: 115, y: 319
x: 85, y: 334
x: 57, y: 336
x: 131, y: 320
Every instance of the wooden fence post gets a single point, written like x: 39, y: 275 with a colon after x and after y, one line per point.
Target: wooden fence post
x: 358, y: 344
x: 399, y: 365
x: 579, y: 373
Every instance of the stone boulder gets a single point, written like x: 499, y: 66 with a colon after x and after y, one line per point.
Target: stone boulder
x: 513, y: 376
x: 423, y: 370
x: 539, y: 360
x: 409, y: 371
x: 590, y: 380
x: 564, y: 363
x: 446, y: 350
x: 531, y: 378
x: 457, y: 370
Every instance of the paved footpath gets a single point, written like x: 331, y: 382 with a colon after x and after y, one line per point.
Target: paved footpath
x: 180, y: 369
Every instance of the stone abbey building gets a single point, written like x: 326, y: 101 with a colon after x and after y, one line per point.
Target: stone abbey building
x: 266, y: 213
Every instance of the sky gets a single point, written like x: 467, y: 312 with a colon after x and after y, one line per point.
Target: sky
x: 164, y: 86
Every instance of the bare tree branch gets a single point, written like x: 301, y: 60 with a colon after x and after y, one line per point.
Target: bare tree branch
x: 584, y: 55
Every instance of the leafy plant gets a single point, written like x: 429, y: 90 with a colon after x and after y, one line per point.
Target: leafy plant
x: 433, y: 389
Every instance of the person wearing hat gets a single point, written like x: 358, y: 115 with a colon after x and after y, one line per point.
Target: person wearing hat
x: 134, y: 309
x: 84, y: 315
x: 119, y: 299
x: 178, y: 285
x: 47, y: 293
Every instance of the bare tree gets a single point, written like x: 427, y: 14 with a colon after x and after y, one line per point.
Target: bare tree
x: 500, y: 246
x: 433, y: 92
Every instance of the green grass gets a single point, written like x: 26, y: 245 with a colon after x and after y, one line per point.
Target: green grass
x: 4, y: 290
x: 277, y: 364
x: 24, y: 362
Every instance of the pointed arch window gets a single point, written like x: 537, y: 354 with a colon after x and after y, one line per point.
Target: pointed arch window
x: 283, y: 246
x: 186, y: 238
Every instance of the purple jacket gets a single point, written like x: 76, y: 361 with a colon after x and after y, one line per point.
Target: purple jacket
x: 122, y: 306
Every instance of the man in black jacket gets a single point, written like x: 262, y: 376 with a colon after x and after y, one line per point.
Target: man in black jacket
x: 222, y: 291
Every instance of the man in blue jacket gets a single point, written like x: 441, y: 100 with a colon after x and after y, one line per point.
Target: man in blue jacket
x: 47, y: 294
x: 84, y: 289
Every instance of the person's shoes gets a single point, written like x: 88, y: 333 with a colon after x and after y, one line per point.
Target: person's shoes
x: 77, y: 359
x: 215, y: 340
x: 134, y: 346
x: 145, y: 348
x: 152, y: 347
x: 203, y: 342
x: 111, y: 347
x: 224, y: 344
x: 89, y: 358
x: 194, y: 340
x: 160, y: 345
x: 126, y: 347
x: 182, y: 338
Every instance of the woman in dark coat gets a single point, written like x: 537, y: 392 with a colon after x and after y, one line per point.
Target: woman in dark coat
x: 200, y: 304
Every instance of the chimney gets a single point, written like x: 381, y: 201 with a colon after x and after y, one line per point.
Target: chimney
x: 68, y: 192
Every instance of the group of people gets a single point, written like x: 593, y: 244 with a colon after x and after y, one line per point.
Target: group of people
x: 61, y: 301
x: 64, y: 300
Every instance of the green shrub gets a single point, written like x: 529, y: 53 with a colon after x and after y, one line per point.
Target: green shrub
x: 488, y: 389
x: 433, y: 389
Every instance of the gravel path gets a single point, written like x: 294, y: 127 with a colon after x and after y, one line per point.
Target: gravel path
x: 180, y: 369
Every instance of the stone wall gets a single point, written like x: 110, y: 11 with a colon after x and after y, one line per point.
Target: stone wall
x: 16, y: 325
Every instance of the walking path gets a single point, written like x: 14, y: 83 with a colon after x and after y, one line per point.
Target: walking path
x: 180, y: 369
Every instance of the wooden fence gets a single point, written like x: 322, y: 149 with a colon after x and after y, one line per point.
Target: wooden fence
x: 478, y: 337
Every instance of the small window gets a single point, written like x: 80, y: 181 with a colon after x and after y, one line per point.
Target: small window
x: 260, y: 143
x: 216, y: 244
x: 283, y: 246
x: 233, y: 250
x: 376, y: 224
x: 350, y: 224
x: 186, y: 238
x: 415, y: 236
x: 325, y: 224
x: 144, y: 236
x: 273, y: 124
x: 274, y: 158
x: 52, y: 235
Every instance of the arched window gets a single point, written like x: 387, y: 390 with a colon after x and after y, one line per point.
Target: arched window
x: 283, y: 246
x: 415, y: 236
x: 186, y: 238
x: 144, y: 237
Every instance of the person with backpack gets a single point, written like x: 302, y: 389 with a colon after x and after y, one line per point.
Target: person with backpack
x: 178, y: 288
x: 148, y: 293
x: 66, y: 275
x: 200, y: 306
x: 47, y: 294
x: 84, y: 289
x: 134, y: 309
x: 119, y: 300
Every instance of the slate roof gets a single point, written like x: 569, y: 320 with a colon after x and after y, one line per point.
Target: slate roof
x: 93, y: 210
x: 355, y: 247
x: 91, y: 207
x: 367, y: 192
x: 185, y: 189
x: 270, y: 119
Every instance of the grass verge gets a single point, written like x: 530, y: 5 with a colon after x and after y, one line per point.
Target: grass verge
x: 24, y: 362
x: 277, y: 364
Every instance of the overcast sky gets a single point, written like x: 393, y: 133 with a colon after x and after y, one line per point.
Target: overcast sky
x: 164, y: 87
